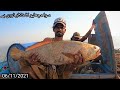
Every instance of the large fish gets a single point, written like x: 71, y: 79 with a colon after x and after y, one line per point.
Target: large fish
x: 60, y: 52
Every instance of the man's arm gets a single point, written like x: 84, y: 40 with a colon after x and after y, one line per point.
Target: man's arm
x: 88, y: 33
x: 45, y: 41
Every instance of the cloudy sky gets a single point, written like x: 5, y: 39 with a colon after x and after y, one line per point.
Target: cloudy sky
x: 25, y: 29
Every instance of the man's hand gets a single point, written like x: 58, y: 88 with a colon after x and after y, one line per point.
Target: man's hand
x: 93, y: 25
x: 33, y: 58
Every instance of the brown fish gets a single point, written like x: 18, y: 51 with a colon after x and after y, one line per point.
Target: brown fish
x: 60, y: 52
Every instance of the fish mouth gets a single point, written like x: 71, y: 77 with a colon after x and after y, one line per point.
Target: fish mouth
x: 81, y: 59
x: 98, y: 53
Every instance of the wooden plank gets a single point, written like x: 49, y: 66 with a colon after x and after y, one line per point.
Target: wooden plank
x: 92, y: 76
x: 84, y: 76
x: 105, y: 76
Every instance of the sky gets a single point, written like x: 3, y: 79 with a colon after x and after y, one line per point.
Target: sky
x: 24, y: 29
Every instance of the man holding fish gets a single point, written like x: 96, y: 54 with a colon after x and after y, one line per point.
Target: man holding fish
x: 59, y: 28
x: 55, y: 57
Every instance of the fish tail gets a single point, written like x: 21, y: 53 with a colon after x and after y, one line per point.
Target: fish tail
x: 16, y: 53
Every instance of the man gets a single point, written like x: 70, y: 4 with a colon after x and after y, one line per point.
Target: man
x: 59, y: 28
x: 76, y: 35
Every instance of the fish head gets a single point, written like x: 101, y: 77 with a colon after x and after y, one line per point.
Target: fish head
x: 89, y: 51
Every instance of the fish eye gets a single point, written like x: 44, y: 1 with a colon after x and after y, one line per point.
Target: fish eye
x: 94, y: 47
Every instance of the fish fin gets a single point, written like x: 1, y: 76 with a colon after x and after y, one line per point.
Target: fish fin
x: 69, y: 55
x: 39, y: 44
x: 16, y: 53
